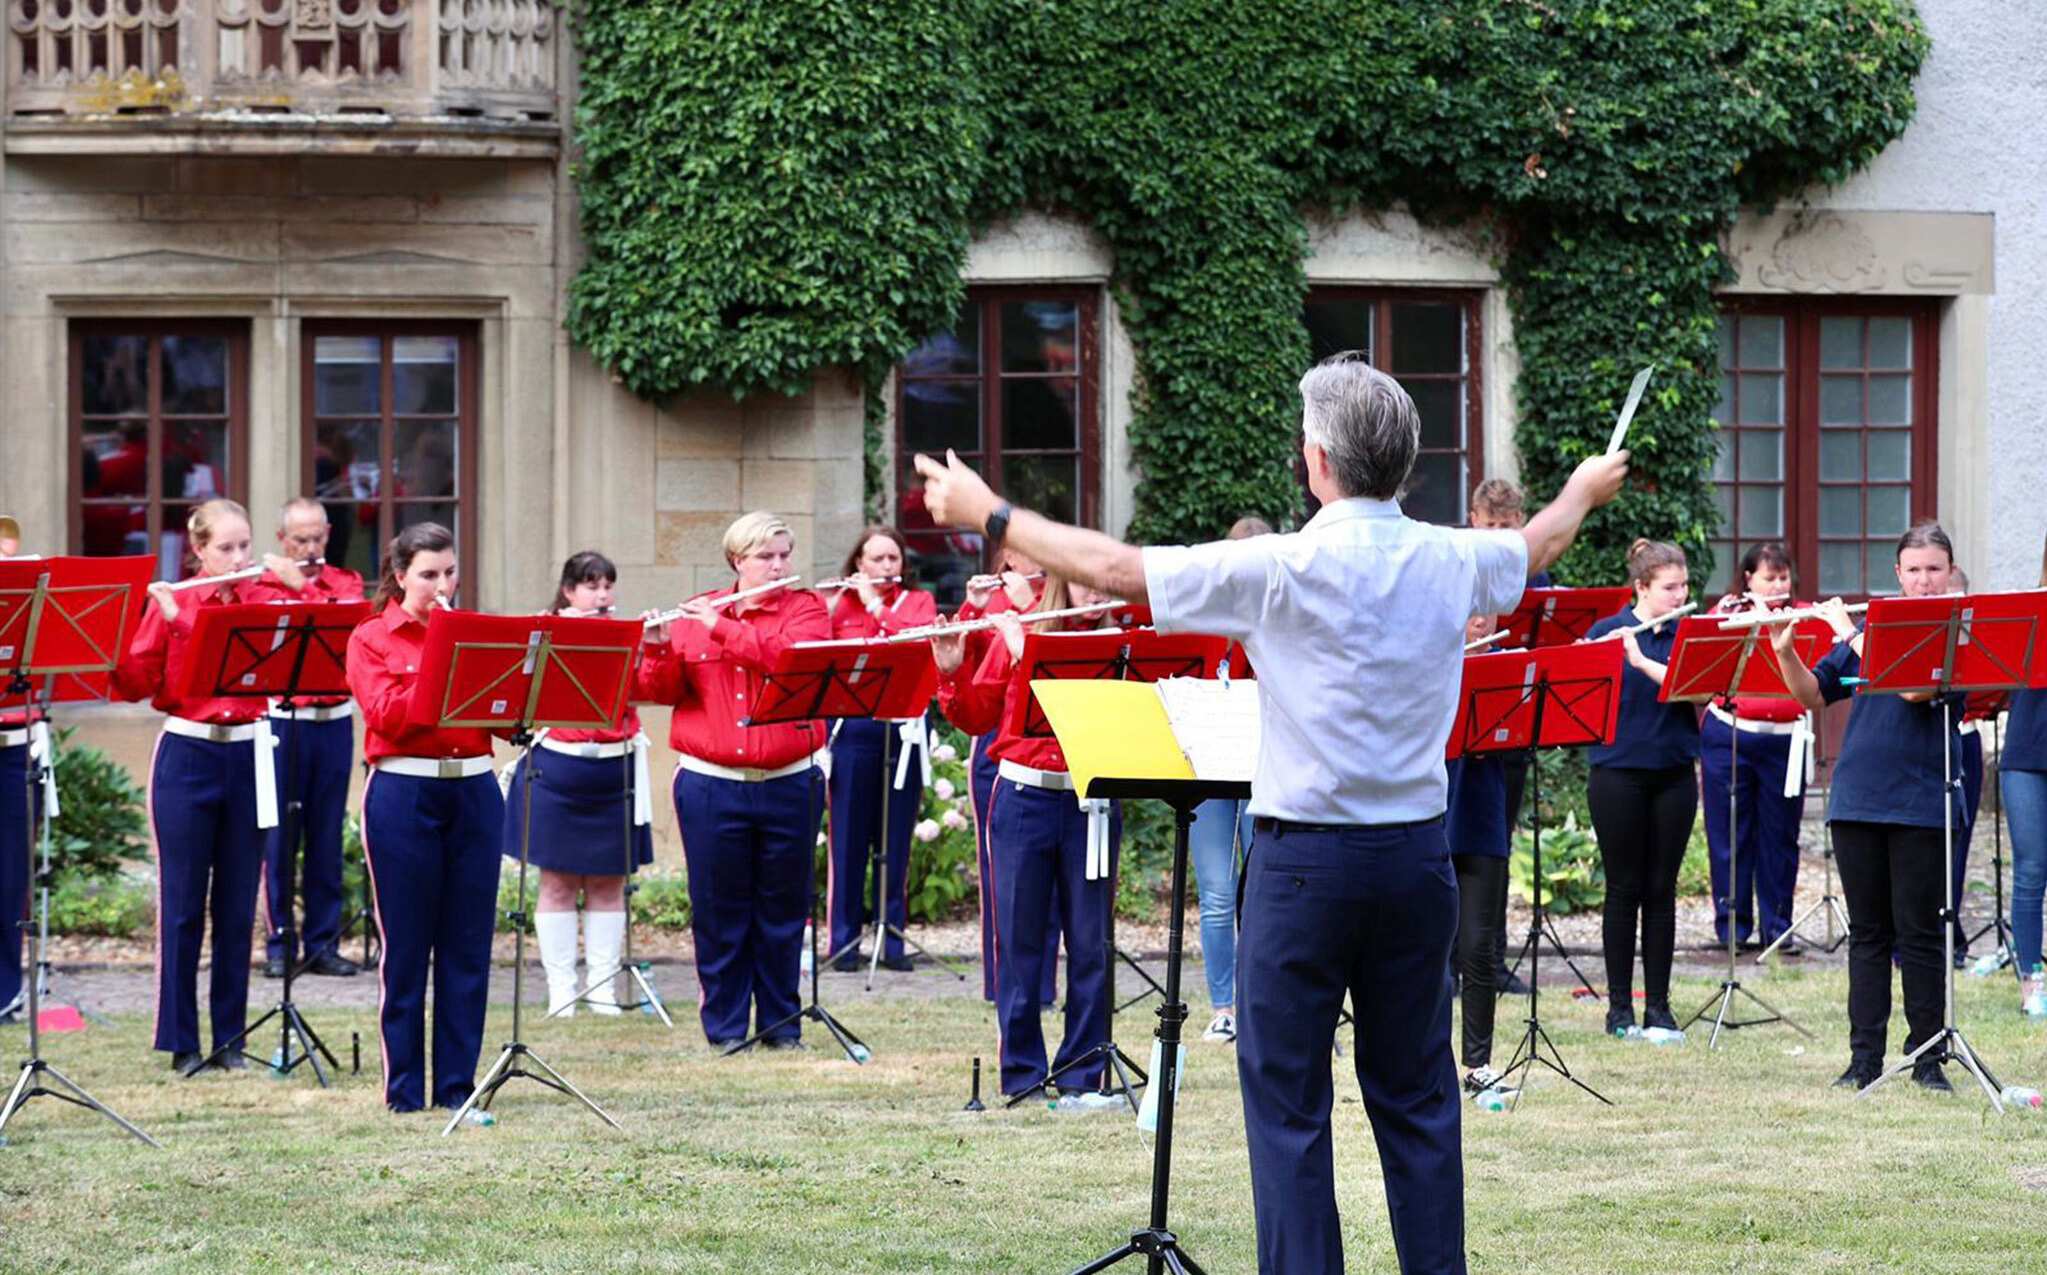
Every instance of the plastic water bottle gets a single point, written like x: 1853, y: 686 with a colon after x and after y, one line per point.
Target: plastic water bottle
x: 1490, y: 1100
x: 2021, y: 1097
x: 1988, y: 963
x: 1630, y: 1032
x: 808, y: 961
x: 861, y: 1054
x: 1663, y: 1036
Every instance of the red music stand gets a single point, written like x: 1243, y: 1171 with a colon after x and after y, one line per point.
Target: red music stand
x: 66, y: 621
x: 1707, y: 663
x: 1558, y: 617
x: 282, y: 651
x: 515, y: 673
x: 1980, y: 642
x: 1521, y: 701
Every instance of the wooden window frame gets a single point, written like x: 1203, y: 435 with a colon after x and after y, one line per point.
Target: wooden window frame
x: 154, y: 329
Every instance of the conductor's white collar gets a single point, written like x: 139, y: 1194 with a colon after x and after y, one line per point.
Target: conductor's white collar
x: 1353, y: 507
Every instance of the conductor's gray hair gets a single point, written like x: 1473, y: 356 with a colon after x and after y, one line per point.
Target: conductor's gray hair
x: 300, y: 505
x: 1363, y: 422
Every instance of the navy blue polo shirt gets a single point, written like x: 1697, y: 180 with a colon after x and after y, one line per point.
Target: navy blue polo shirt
x: 2025, y: 733
x: 1477, y: 820
x: 1892, y: 768
x: 1541, y: 580
x: 1651, y: 735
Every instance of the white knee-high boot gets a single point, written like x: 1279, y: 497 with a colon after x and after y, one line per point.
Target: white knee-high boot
x: 557, y: 934
x: 603, y: 938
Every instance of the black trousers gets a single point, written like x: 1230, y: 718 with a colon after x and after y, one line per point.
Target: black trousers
x: 1481, y: 901
x: 1643, y: 819
x: 1893, y: 878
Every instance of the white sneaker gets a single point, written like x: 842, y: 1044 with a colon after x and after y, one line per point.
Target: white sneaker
x: 1222, y: 1028
x: 2033, y: 994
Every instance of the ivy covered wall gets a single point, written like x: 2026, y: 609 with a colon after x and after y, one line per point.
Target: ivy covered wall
x: 772, y: 189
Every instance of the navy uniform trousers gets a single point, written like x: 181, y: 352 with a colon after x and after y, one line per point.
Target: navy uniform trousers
x: 432, y: 847
x: 981, y: 770
x: 209, y: 858
x: 319, y: 755
x: 1369, y: 910
x: 748, y: 851
x: 15, y: 851
x: 1766, y: 860
x: 1037, y: 845
x: 864, y: 756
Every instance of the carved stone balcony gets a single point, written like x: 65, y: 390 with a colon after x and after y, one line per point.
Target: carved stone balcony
x: 453, y: 77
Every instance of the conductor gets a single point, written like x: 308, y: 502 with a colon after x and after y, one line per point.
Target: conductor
x: 1355, y: 624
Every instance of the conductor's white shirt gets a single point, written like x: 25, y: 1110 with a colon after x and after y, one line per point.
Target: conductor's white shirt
x: 1355, y: 625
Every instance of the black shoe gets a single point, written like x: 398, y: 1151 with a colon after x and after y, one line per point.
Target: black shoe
x: 1861, y: 1074
x: 1961, y: 958
x: 848, y: 963
x: 333, y: 965
x: 1036, y: 1093
x: 900, y: 964
x: 274, y: 967
x: 232, y: 1060
x: 1790, y: 946
x: 1657, y: 1014
x: 1620, y: 1020
x: 721, y: 1046
x: 1926, y: 1073
x: 185, y: 1060
x: 1508, y: 983
x: 781, y: 1043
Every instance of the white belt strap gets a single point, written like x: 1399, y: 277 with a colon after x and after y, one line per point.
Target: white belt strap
x: 1097, y: 811
x: 1032, y: 777
x: 1799, y: 763
x: 266, y: 776
x: 434, y: 767
x: 915, y: 737
x: 45, y: 757
x: 748, y: 774
x: 643, y: 803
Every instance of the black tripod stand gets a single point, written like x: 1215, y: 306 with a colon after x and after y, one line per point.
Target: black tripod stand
x: 644, y: 995
x: 2000, y: 920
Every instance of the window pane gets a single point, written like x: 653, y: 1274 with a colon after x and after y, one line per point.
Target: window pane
x: 1762, y: 341
x: 195, y: 461
x: 424, y: 465
x: 1048, y: 484
x: 113, y: 529
x: 423, y: 379
x: 1726, y: 334
x: 1427, y: 337
x: 1724, y: 560
x: 1840, y: 400
x: 1890, y: 342
x: 1723, y: 506
x: 1890, y: 510
x: 1040, y: 336
x: 116, y: 372
x: 941, y: 414
x: 953, y: 353
x: 1890, y: 400
x: 1040, y: 413
x: 353, y: 540
x: 1840, y: 567
x: 1890, y: 455
x: 1723, y: 411
x: 1762, y: 399
x: 1762, y: 511
x: 1435, y: 490
x: 405, y: 514
x: 940, y: 560
x: 1840, y: 342
x: 115, y: 460
x: 1841, y: 457
x: 1762, y: 454
x: 173, y: 550
x: 346, y: 375
x: 346, y: 461
x: 1879, y: 561
x: 1441, y: 405
x: 1723, y: 456
x: 194, y: 376
x: 1840, y: 511
x: 1336, y: 326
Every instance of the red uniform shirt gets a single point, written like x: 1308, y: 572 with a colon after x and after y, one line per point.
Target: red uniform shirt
x: 713, y: 677
x: 1762, y: 708
x: 324, y: 583
x: 383, y: 664
x: 975, y: 697
x: 159, y: 657
x: 900, y: 609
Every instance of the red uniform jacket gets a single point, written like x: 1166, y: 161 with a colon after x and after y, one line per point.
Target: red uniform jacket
x: 713, y: 677
x: 159, y: 657
x: 383, y: 664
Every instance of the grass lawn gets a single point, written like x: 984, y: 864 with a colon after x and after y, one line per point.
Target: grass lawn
x: 1736, y: 1160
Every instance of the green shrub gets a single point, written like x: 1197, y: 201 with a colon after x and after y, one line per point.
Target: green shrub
x: 102, y: 822
x: 112, y: 906
x: 1573, y: 878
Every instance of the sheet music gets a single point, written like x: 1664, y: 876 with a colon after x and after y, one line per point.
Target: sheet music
x: 1216, y: 725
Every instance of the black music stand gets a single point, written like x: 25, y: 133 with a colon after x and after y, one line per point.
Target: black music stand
x: 59, y: 618
x: 1522, y: 701
x: 1708, y: 663
x: 281, y: 651
x: 517, y: 673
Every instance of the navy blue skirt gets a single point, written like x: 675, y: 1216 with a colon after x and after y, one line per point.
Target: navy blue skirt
x: 582, y: 815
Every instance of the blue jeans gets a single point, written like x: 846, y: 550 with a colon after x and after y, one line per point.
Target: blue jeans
x: 2025, y: 805
x: 1220, y: 826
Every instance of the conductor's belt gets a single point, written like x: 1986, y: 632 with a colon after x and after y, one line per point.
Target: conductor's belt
x: 590, y: 752
x: 1751, y: 725
x: 315, y: 712
x: 13, y: 738
x: 749, y: 774
x: 212, y: 732
x: 1032, y: 777
x: 434, y: 767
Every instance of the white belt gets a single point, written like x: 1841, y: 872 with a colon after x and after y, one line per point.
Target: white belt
x: 257, y: 731
x: 13, y: 738
x: 1754, y: 727
x: 314, y: 712
x: 589, y: 752
x: 1032, y: 777
x: 748, y: 774
x: 1097, y: 810
x: 915, y: 737
x: 434, y: 767
x: 643, y: 805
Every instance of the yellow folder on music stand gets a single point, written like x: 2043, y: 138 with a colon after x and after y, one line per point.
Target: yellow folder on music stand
x: 1112, y: 730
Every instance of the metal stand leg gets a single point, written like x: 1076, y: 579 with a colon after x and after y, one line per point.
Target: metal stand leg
x: 645, y: 996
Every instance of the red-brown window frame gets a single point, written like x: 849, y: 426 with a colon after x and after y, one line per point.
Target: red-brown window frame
x: 1472, y: 301
x: 468, y: 430
x: 234, y: 331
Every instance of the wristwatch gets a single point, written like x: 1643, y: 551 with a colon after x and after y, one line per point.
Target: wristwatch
x: 997, y: 525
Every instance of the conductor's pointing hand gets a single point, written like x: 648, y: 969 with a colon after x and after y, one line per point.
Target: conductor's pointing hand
x: 1600, y: 478
x: 954, y: 495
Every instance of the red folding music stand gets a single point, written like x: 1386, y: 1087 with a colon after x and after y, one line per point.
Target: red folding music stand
x: 1981, y: 642
x: 66, y: 621
x: 1558, y: 617
x: 282, y: 651
x: 515, y: 673
x: 1707, y: 663
x: 1521, y: 701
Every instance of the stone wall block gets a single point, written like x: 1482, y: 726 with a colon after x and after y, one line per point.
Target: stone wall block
x: 472, y: 245
x: 317, y: 208
x: 380, y: 175
x: 785, y: 486
x: 71, y: 208
x: 83, y: 174
x: 683, y: 539
x: 693, y: 484
x: 206, y: 175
